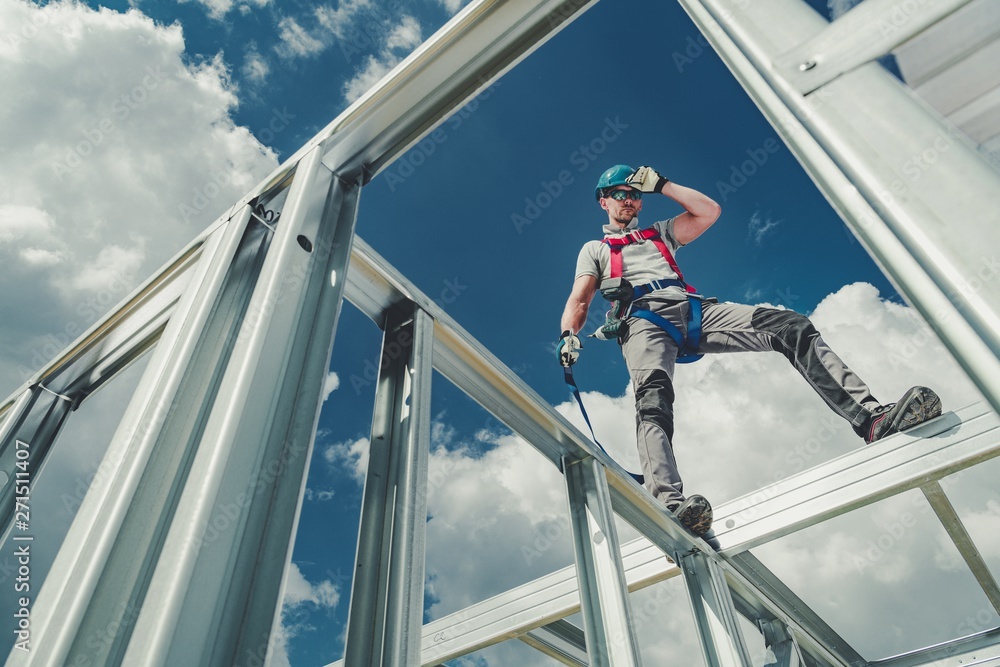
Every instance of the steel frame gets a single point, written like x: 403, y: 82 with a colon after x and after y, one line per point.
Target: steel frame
x: 240, y: 350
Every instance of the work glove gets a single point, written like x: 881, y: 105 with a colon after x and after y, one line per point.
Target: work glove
x: 568, y: 348
x: 645, y: 179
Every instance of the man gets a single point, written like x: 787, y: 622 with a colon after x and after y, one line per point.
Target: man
x: 666, y: 320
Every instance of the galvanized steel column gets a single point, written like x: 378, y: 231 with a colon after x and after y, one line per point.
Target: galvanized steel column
x: 386, y: 614
x: 85, y: 592
x: 607, y: 615
x: 216, y: 583
x: 714, y: 614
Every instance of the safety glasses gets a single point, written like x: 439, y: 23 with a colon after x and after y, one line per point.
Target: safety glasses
x: 622, y: 195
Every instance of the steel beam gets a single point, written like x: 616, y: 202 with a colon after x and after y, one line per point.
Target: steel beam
x: 607, y: 615
x: 763, y: 598
x: 715, y: 617
x: 28, y: 435
x: 952, y: 523
x: 979, y: 650
x: 386, y: 610
x: 560, y: 640
x: 864, y: 33
x: 782, y: 644
x: 214, y: 592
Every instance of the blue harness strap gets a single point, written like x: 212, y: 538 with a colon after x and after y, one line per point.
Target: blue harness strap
x: 571, y: 383
x: 687, y: 348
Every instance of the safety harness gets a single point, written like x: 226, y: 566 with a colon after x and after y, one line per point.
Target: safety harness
x: 687, y: 346
x: 624, y: 296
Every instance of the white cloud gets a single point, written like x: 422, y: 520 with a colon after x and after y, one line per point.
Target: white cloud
x: 331, y: 384
x: 255, y: 67
x: 298, y: 590
x: 839, y: 7
x: 371, y: 72
x: 301, y: 600
x: 217, y: 9
x: 351, y: 456
x: 341, y: 21
x: 402, y: 38
x: 452, y: 6
x: 759, y: 227
x: 107, y: 171
x: 41, y: 256
x: 295, y: 41
x: 405, y: 35
x: 319, y: 495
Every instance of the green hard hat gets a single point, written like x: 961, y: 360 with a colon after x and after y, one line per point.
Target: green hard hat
x: 616, y: 175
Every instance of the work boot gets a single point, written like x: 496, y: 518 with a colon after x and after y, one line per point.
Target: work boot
x: 695, y: 514
x: 917, y: 405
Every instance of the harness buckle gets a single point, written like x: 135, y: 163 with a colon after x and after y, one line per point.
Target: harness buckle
x: 619, y: 292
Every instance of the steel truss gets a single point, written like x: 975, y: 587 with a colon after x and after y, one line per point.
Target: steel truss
x: 239, y: 352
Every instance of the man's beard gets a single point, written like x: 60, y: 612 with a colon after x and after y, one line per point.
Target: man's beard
x: 626, y: 215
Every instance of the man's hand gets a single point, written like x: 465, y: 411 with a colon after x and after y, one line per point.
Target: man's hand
x: 645, y: 179
x: 568, y: 348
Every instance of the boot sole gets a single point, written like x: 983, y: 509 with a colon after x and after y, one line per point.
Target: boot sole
x: 919, y: 404
x: 695, y: 514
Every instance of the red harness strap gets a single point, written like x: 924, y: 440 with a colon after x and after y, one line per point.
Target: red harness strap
x: 649, y: 234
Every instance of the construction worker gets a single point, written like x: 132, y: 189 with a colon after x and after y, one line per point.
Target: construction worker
x: 659, y: 320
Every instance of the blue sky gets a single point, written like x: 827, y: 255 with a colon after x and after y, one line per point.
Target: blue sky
x: 487, y: 216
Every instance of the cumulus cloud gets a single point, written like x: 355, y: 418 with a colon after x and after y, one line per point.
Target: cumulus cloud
x: 302, y: 599
x: 295, y: 41
x: 107, y: 170
x: 365, y: 32
x: 350, y: 456
x: 299, y: 591
x: 255, y: 67
x: 402, y: 38
x: 217, y: 9
x: 452, y: 6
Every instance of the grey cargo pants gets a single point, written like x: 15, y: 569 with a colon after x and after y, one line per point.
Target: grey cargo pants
x: 650, y: 355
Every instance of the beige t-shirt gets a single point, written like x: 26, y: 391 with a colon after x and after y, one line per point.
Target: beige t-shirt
x: 641, y: 262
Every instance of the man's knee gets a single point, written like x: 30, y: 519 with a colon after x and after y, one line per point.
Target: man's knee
x: 791, y: 333
x: 654, y: 401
